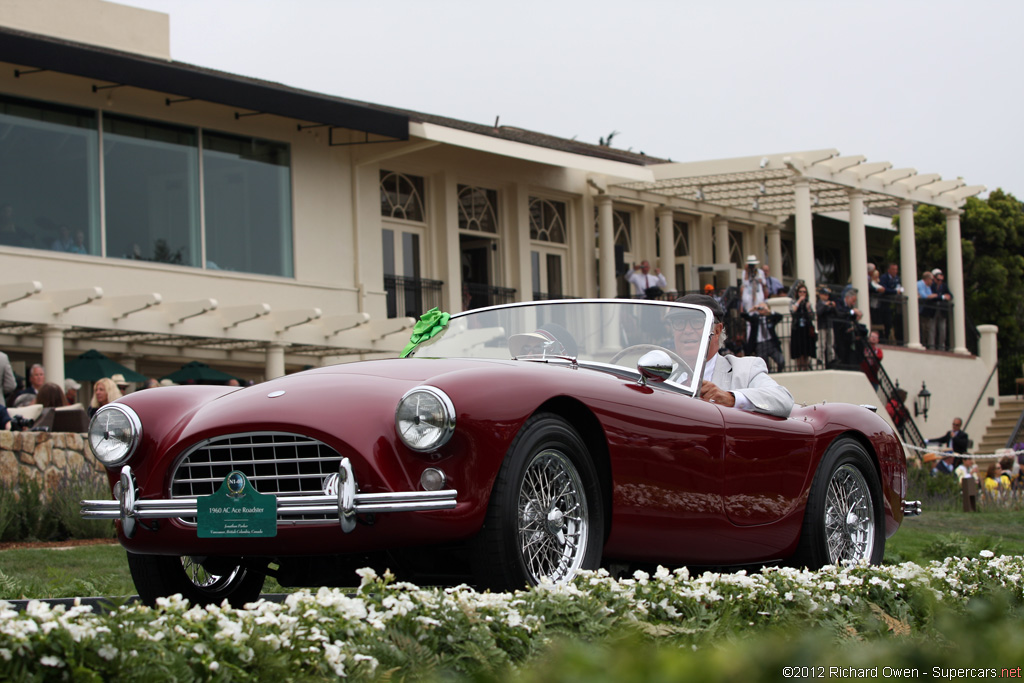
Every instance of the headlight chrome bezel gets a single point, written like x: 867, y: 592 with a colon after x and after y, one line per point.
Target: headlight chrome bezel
x: 444, y: 430
x: 130, y: 444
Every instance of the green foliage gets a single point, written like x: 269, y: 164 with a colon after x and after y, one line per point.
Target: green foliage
x: 988, y: 634
x: 29, y: 520
x: 63, y: 504
x: 934, y: 492
x: 957, y: 544
x: 665, y: 626
x: 27, y: 513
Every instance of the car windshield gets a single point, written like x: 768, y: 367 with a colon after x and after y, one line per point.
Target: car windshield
x: 616, y: 332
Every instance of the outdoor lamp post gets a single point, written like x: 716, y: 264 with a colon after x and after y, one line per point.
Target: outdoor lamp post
x: 923, y: 402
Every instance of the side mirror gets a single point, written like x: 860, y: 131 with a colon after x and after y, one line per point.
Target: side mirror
x: 654, y: 366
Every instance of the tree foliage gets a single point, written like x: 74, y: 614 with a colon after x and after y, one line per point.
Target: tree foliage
x: 992, y: 240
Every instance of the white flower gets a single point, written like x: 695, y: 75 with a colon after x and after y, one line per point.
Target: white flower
x: 107, y: 652
x: 214, y: 666
x: 987, y: 553
x: 50, y: 660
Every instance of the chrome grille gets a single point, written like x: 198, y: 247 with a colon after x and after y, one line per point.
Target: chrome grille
x: 275, y: 463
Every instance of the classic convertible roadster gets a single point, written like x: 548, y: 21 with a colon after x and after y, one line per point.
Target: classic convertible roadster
x: 513, y: 445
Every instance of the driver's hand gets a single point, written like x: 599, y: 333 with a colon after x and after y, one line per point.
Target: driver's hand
x: 713, y: 394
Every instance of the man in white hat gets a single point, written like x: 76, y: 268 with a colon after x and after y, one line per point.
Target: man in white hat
x: 71, y: 388
x: 754, y: 290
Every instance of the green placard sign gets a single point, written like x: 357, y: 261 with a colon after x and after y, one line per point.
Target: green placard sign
x: 237, y: 509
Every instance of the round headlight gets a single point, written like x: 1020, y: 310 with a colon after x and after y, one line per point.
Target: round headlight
x: 425, y: 419
x: 114, y: 432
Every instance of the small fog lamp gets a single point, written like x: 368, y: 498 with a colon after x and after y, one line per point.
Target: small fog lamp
x: 433, y: 479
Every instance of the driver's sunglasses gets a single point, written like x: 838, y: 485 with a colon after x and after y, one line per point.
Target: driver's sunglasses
x: 682, y: 324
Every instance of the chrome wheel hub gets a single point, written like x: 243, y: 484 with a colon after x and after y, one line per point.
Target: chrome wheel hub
x: 553, y: 521
x: 849, y: 517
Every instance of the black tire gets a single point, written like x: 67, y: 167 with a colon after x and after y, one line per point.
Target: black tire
x: 159, y: 576
x: 530, y: 534
x: 844, y: 520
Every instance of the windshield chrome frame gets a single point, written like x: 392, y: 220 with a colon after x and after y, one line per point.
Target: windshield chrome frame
x: 692, y: 388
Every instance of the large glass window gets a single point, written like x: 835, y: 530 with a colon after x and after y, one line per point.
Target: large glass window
x: 152, y: 191
x: 48, y: 177
x: 247, y: 201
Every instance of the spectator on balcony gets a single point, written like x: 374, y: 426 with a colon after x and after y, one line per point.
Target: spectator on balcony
x: 942, y: 307
x: 773, y: 286
x: 71, y: 389
x: 51, y: 396
x: 848, y: 329
x: 875, y: 292
x: 825, y: 309
x: 892, y: 304
x: 7, y: 380
x: 753, y: 291
x: 647, y: 285
x: 872, y: 362
x: 803, y: 338
x: 36, y: 379
x: 103, y: 392
x: 762, y: 340
x: 926, y: 300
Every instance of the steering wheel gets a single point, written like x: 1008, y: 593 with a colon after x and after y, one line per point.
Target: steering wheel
x: 683, y: 365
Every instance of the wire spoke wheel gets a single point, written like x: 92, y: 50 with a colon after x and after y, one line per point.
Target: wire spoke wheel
x: 849, y: 517
x: 553, y: 522
x: 201, y: 578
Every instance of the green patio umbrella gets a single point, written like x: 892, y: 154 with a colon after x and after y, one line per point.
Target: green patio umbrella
x: 198, y: 372
x: 93, y: 365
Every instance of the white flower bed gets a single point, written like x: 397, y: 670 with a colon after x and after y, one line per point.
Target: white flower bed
x: 329, y: 633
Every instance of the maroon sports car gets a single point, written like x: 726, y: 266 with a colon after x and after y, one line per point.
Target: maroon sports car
x: 513, y: 445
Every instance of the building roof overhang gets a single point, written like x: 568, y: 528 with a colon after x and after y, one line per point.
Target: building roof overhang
x: 765, y: 184
x: 184, y: 80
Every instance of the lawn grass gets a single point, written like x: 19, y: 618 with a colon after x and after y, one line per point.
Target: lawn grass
x: 84, y: 571
x: 937, y: 535
x: 102, y: 570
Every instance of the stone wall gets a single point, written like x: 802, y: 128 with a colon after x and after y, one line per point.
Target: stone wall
x: 43, y: 456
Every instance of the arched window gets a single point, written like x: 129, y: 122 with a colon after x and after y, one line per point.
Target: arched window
x: 478, y: 209
x: 547, y: 220
x: 401, y: 196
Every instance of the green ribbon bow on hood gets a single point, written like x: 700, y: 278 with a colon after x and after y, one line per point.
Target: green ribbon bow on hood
x: 429, y: 324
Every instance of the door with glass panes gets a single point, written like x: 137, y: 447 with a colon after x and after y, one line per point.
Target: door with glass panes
x: 402, y: 267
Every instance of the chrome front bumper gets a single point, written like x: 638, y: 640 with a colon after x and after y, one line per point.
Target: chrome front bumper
x: 911, y: 508
x: 346, y: 504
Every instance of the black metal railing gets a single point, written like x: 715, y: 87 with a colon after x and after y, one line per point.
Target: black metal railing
x: 412, y: 297
x: 481, y: 296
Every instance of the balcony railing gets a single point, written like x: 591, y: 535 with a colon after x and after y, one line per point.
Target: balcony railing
x: 411, y: 297
x: 481, y: 296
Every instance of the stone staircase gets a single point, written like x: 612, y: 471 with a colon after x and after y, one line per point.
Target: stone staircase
x: 1002, y: 425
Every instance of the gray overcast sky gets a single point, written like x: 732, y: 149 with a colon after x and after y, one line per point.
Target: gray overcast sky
x: 931, y: 85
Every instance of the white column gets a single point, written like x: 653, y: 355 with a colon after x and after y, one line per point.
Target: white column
x: 53, y: 354
x: 955, y: 279
x: 757, y: 237
x: 804, y: 232
x: 721, y: 240
x: 859, y: 255
x: 275, y: 360
x: 908, y: 267
x: 667, y: 247
x: 606, y: 246
x: 774, y: 233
